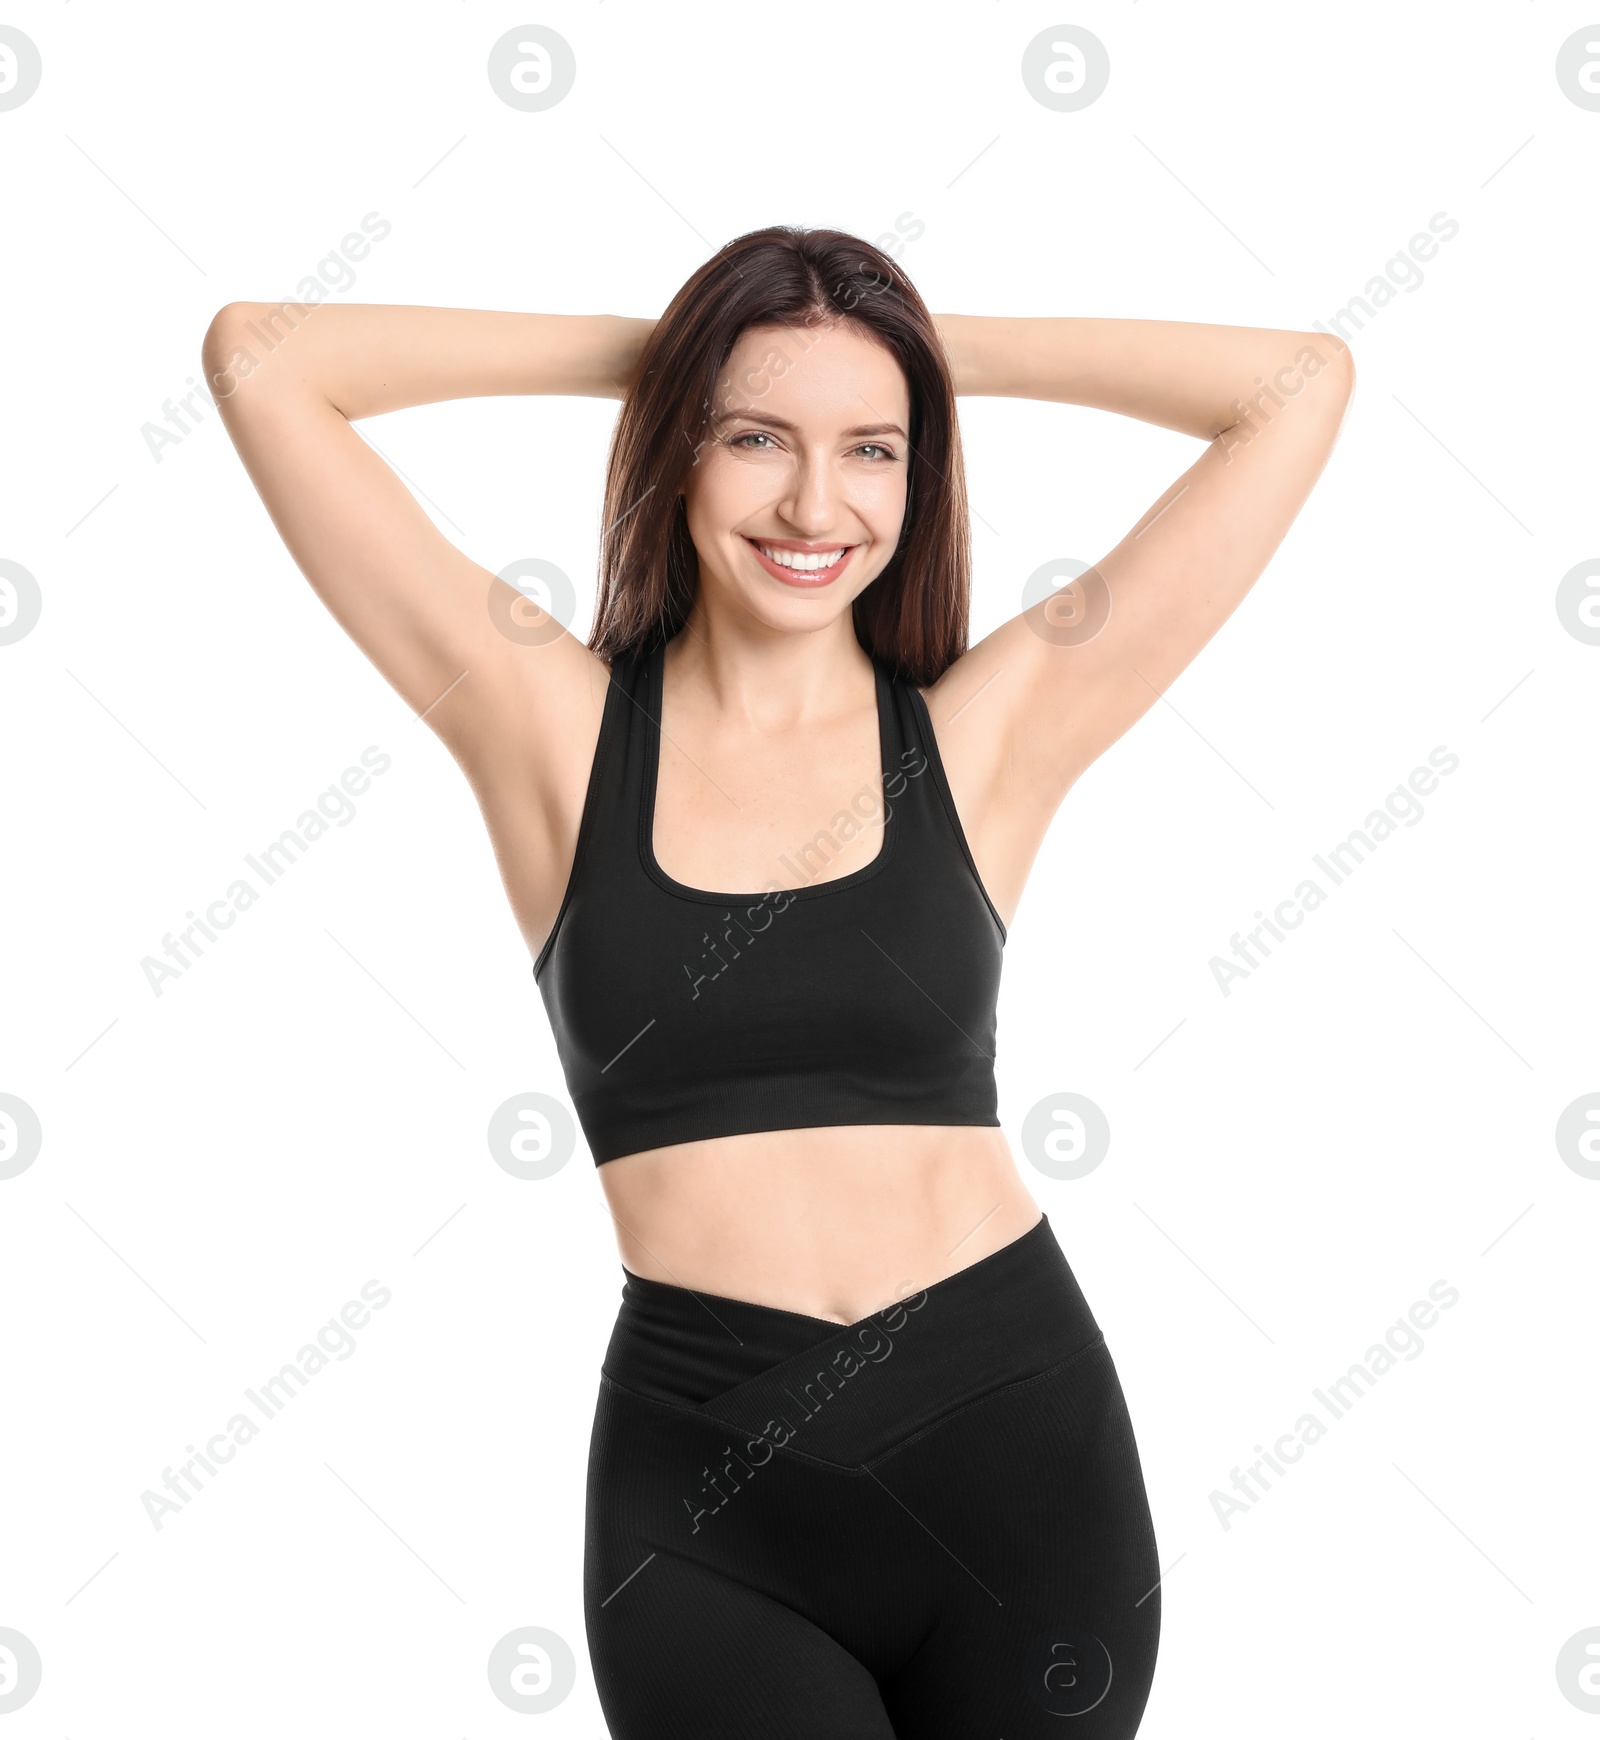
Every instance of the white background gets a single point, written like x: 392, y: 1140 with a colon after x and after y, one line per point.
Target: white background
x: 1291, y: 1165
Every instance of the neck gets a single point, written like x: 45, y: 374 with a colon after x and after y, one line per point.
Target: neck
x: 774, y: 678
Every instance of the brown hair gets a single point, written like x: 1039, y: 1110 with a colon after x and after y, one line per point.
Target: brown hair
x: 914, y: 614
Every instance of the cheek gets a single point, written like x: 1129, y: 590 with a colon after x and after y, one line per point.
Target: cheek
x: 718, y: 494
x: 882, y: 504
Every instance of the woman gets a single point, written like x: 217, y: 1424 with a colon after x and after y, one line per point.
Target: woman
x: 861, y: 1465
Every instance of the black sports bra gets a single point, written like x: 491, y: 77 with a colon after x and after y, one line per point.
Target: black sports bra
x: 869, y: 998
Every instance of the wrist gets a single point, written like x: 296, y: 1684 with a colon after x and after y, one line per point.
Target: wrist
x: 626, y: 338
x: 962, y: 335
x: 951, y: 337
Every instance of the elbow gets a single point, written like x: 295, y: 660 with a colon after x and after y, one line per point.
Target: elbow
x: 224, y: 347
x: 1338, y: 362
x: 240, y: 339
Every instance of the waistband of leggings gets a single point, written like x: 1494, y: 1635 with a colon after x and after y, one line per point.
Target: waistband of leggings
x: 847, y: 1393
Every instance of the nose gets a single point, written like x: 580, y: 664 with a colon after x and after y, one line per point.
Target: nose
x: 811, y: 501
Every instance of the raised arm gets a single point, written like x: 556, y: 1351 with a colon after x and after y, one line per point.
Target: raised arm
x: 1030, y: 706
x: 290, y: 380
x: 519, y: 711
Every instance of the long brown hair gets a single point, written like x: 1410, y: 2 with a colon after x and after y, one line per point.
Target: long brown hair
x: 914, y: 614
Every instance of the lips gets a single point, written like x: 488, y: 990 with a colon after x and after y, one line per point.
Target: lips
x: 807, y: 579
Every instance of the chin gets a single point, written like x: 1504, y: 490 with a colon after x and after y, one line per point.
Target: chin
x: 798, y: 615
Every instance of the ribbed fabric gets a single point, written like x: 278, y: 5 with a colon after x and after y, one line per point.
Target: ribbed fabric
x: 931, y: 1523
x: 681, y: 1013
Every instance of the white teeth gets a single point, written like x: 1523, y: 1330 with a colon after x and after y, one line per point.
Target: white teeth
x: 800, y: 559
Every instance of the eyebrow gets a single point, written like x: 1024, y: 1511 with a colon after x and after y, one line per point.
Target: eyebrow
x: 774, y: 422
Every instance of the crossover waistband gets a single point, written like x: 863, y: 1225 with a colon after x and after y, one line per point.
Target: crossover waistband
x: 849, y: 1392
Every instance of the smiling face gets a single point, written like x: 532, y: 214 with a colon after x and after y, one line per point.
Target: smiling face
x: 798, y: 492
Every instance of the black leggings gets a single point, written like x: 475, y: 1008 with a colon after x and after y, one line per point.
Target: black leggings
x: 930, y: 1524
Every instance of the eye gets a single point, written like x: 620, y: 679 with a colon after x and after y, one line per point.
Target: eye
x: 750, y: 435
x: 877, y: 447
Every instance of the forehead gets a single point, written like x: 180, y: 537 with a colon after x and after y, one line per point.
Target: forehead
x: 807, y: 374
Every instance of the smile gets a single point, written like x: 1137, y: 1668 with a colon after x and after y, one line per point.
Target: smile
x: 802, y: 567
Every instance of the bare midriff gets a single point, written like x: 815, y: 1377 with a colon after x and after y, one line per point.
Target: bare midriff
x: 834, y: 1223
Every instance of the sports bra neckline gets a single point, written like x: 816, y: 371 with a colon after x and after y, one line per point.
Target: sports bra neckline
x: 655, y: 661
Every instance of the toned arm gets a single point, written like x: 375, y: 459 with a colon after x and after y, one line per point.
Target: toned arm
x: 520, y: 719
x: 1036, y: 701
